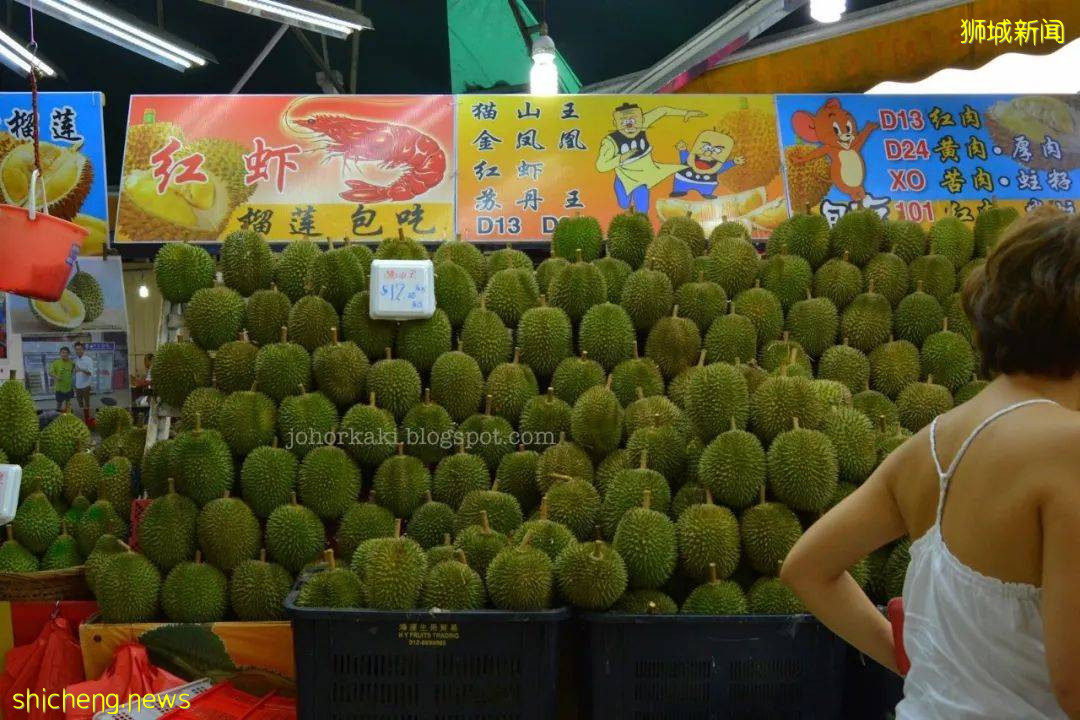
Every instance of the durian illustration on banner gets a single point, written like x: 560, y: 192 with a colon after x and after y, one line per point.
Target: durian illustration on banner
x: 72, y: 147
x: 288, y: 167
x: 525, y: 162
x: 925, y: 158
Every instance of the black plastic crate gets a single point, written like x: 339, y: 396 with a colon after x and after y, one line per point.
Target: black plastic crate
x: 420, y: 665
x: 871, y: 691
x: 693, y: 667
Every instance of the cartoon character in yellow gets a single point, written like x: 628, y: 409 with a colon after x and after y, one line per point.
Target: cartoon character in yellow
x: 628, y: 152
x: 703, y: 163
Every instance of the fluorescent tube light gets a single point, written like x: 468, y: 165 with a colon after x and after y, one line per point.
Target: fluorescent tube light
x: 19, y: 59
x: 315, y: 15
x: 101, y: 20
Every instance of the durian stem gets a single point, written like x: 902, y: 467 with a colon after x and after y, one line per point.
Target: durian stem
x: 460, y: 555
x: 487, y: 405
x: 198, y: 422
x: 795, y: 422
x: 397, y: 528
x: 525, y: 541
x: 371, y: 398
x: 646, y: 498
x: 653, y: 609
x: 284, y: 334
x: 598, y: 550
x: 643, y: 464
x: 427, y: 495
x: 550, y: 393
x: 329, y: 556
x: 262, y: 554
x: 761, y: 495
x: 172, y: 486
x: 713, y: 577
x: 636, y: 356
x: 400, y: 449
x: 292, y: 499
x: 517, y: 355
x: 543, y: 513
x: 708, y: 497
x: 389, y: 353
x: 198, y: 557
x: 484, y: 522
x: 701, y: 359
x: 608, y: 383
x: 334, y: 335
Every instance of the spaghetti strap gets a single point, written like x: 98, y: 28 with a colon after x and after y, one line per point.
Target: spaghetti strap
x: 946, y: 475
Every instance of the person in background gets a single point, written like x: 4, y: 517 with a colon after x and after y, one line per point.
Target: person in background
x: 61, y: 371
x: 84, y: 378
x: 142, y: 390
x: 989, y: 493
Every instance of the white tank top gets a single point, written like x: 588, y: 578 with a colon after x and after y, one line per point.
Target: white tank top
x: 975, y: 642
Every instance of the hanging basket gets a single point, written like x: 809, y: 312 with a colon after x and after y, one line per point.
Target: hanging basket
x: 37, y: 249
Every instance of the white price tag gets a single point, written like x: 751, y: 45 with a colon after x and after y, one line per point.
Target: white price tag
x: 10, y: 480
x: 402, y: 289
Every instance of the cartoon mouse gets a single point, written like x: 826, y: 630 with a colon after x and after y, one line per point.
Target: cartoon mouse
x: 835, y: 128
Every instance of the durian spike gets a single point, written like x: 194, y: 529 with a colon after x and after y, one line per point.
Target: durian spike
x: 598, y: 550
x: 262, y: 554
x: 543, y: 512
x: 397, y: 527
x: 389, y: 354
x: 460, y: 555
x: 484, y: 522
x: 712, y: 573
x: 329, y: 557
x: 284, y: 334
x: 487, y: 405
x: 646, y: 498
x: 400, y: 449
x: 333, y: 336
x: 795, y: 422
x: 643, y: 463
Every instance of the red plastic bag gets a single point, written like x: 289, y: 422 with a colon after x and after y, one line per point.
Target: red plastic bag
x: 895, y: 613
x: 43, y: 668
x: 130, y: 674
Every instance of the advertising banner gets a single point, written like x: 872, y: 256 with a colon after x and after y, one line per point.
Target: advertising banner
x: 319, y: 167
x: 72, y: 149
x: 922, y: 158
x: 78, y: 341
x: 524, y: 161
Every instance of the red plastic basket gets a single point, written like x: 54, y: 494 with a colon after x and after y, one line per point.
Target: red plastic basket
x: 37, y: 250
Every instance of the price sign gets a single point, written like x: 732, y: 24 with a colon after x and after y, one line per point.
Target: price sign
x: 402, y: 289
x: 10, y: 481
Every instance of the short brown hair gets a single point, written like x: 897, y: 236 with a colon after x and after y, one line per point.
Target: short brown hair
x: 1024, y: 303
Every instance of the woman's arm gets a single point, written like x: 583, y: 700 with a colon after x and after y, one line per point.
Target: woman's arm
x: 816, y: 568
x: 1060, y: 516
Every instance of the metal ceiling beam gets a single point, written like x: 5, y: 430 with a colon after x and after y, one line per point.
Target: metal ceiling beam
x: 270, y: 45
x: 316, y: 15
x: 316, y: 58
x: 807, y: 35
x: 732, y: 31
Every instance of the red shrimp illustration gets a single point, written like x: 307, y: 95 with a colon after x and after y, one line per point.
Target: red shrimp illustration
x: 418, y: 156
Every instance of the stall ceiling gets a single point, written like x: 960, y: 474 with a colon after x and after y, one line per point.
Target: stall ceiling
x: 408, y: 52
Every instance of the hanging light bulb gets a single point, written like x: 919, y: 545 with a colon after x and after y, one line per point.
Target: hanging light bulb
x: 544, y: 76
x: 827, y: 11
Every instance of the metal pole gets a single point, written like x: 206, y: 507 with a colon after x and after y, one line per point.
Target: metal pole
x: 317, y: 58
x: 354, y: 62
x: 259, y: 59
x: 161, y: 14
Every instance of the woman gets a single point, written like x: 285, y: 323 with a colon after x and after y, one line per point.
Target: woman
x: 990, y: 494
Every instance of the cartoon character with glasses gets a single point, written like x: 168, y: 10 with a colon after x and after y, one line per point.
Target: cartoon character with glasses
x: 703, y: 163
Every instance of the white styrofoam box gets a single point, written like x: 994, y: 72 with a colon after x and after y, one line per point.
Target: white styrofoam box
x: 402, y: 289
x: 10, y: 481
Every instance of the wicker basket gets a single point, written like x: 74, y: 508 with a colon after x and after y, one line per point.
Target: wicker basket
x: 45, y: 586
